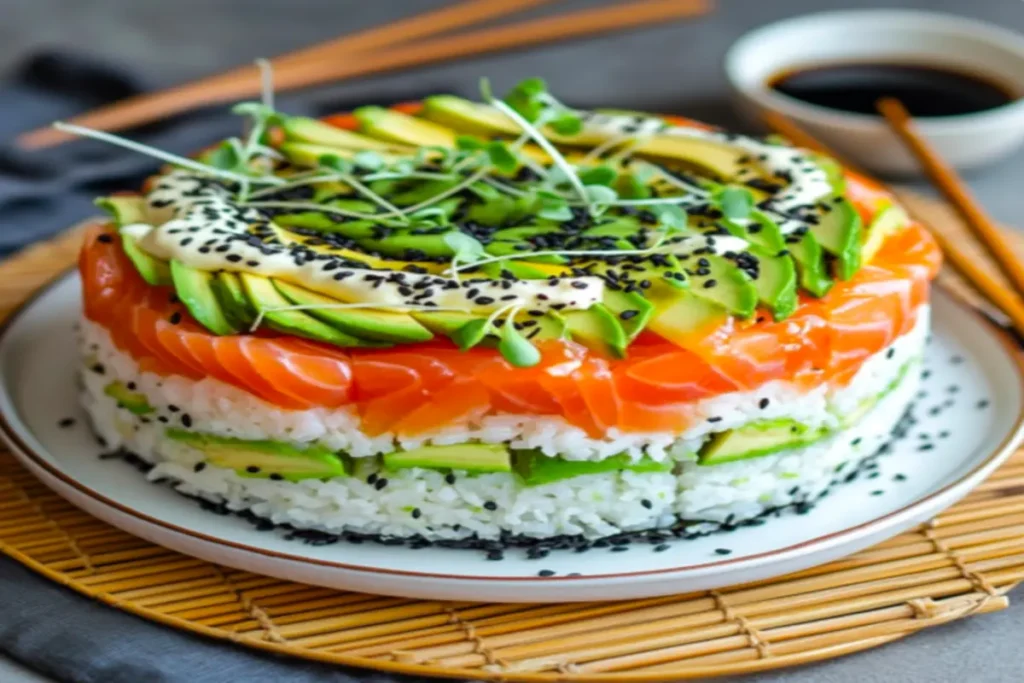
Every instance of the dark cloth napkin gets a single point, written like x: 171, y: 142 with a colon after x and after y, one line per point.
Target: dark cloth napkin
x: 45, y: 626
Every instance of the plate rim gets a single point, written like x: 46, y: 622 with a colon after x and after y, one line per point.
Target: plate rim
x: 10, y: 435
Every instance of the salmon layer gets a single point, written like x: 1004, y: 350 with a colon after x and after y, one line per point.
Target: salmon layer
x: 423, y: 388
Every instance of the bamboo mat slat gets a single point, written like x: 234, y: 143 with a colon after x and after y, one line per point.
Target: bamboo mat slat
x: 962, y: 564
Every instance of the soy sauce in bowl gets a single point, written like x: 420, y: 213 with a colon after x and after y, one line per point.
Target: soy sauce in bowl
x: 926, y: 91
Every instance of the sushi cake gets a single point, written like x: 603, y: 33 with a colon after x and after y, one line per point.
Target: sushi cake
x: 502, y: 322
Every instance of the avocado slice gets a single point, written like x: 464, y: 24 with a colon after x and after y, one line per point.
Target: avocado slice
x: 194, y: 288
x: 678, y: 314
x: 400, y: 244
x: 125, y: 209
x: 445, y: 323
x: 724, y: 283
x: 776, y: 282
x: 755, y: 440
x: 264, y: 296
x: 306, y: 130
x: 806, y: 252
x: 469, y: 457
x: 153, y: 270
x: 393, y: 126
x: 534, y: 468
x: 132, y: 401
x: 365, y: 323
x: 631, y: 308
x: 598, y: 329
x: 309, y: 154
x: 760, y: 230
x: 888, y: 221
x: 469, y: 117
x: 227, y: 287
x: 265, y: 459
x: 839, y: 233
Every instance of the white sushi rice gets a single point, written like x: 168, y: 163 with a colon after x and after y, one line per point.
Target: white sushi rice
x: 419, y: 502
x: 218, y: 408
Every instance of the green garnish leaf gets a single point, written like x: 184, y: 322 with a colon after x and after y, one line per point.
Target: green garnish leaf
x: 736, y: 203
x: 515, y: 348
x: 501, y: 157
x: 335, y: 162
x: 525, y: 98
x: 470, y: 143
x: 601, y: 194
x: 532, y: 86
x: 471, y: 334
x: 467, y: 248
x: 225, y: 157
x: 567, y: 123
x: 630, y: 187
x: 553, y: 207
x: 368, y: 160
x: 671, y: 216
x: 599, y: 175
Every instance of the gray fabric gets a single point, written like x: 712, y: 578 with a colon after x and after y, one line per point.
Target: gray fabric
x: 674, y: 68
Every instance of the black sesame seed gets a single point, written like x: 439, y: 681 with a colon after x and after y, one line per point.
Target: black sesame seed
x: 899, y: 477
x: 877, y: 492
x: 545, y: 572
x: 416, y: 513
x: 186, y: 420
x: 449, y: 478
x: 274, y: 476
x: 763, y: 403
x: 723, y: 551
x: 982, y: 404
x: 106, y: 239
x: 252, y: 469
x: 233, y: 258
x: 66, y: 422
x: 490, y: 505
x: 628, y: 315
x: 660, y: 548
x: 495, y: 555
x: 175, y: 318
x: 647, y: 504
x: 708, y: 284
x: 199, y: 467
x: 381, y: 483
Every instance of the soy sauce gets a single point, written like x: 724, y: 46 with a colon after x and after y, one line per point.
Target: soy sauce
x: 923, y: 90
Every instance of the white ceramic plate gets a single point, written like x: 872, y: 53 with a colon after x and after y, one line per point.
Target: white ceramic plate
x: 974, y: 397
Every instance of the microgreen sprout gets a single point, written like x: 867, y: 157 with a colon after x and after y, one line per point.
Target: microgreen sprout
x: 736, y: 203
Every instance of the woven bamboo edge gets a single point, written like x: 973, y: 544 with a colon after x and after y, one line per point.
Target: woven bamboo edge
x: 963, y: 563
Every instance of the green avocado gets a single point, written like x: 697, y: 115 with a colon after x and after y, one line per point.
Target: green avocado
x: 724, y: 283
x: 125, y: 209
x: 468, y: 117
x: 365, y: 323
x: 631, y: 308
x: 399, y: 245
x: 598, y: 329
x: 153, y: 270
x: 265, y: 459
x: 757, y: 439
x: 839, y: 232
x: 227, y: 287
x: 469, y: 457
x: 776, y: 282
x: 759, y: 230
x: 132, y: 401
x: 885, y: 223
x: 265, y: 297
x: 444, y: 323
x: 393, y: 126
x: 810, y: 265
x: 679, y: 313
x: 305, y: 130
x: 534, y: 468
x: 194, y: 288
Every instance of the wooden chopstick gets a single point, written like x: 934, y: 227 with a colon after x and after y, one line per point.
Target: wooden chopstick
x: 990, y: 288
x: 955, y: 191
x: 143, y: 109
x: 318, y: 67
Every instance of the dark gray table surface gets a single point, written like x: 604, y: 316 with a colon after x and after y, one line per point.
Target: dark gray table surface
x: 675, y: 67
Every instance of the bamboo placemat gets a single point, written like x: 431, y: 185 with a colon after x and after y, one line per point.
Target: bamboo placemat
x: 963, y: 563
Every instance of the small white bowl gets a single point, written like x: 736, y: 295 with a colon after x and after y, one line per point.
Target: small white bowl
x: 930, y: 38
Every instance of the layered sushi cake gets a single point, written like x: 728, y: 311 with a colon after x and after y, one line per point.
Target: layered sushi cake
x: 502, y: 321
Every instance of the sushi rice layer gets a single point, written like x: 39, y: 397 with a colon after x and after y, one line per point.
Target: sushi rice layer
x: 437, y: 505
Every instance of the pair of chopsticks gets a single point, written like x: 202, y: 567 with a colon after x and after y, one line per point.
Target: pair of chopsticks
x: 411, y: 42
x: 953, y: 188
